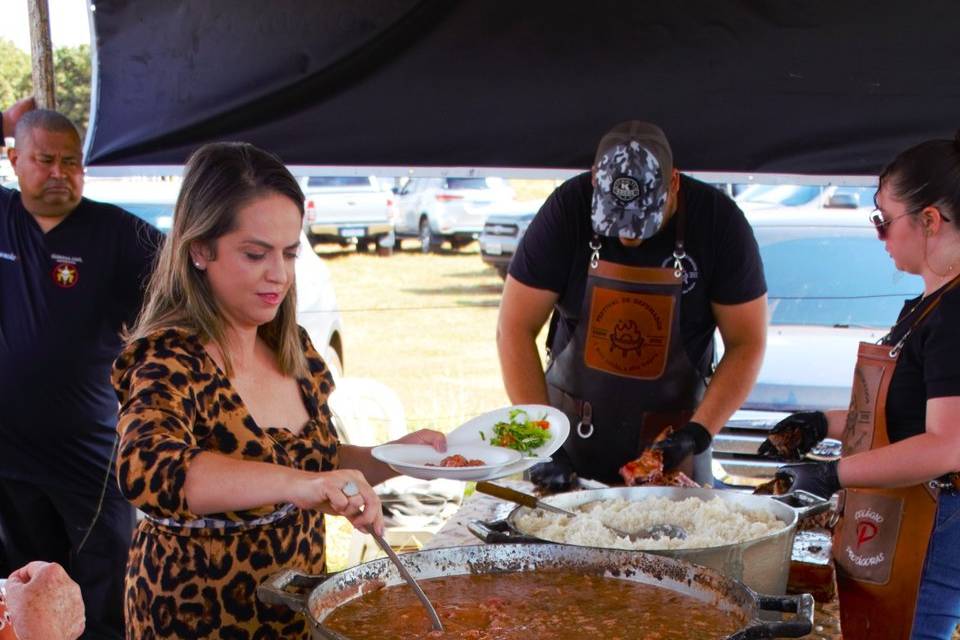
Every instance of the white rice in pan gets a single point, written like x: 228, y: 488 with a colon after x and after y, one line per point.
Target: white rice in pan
x: 708, y: 523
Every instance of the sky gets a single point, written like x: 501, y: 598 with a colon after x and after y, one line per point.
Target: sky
x: 69, y: 24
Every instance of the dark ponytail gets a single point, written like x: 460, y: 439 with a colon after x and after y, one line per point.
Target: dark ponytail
x: 927, y: 174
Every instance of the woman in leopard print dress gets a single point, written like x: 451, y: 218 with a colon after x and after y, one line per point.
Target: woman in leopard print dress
x: 226, y: 441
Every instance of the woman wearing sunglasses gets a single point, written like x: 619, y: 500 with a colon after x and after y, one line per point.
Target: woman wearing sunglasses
x: 897, y: 544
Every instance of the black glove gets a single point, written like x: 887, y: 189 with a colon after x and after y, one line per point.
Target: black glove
x: 691, y: 438
x: 554, y: 476
x: 819, y: 478
x: 795, y: 435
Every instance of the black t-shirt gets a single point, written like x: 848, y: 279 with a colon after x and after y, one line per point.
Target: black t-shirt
x: 64, y: 296
x: 723, y: 265
x: 929, y: 365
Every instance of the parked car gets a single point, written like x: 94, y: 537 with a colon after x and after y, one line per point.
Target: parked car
x: 759, y: 197
x: 447, y: 209
x: 502, y: 232
x: 831, y: 285
x: 349, y: 210
x: 317, y: 312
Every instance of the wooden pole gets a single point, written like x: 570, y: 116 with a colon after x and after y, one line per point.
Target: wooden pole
x: 41, y: 52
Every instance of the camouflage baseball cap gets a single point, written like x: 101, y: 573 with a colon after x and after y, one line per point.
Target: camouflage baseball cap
x: 633, y: 167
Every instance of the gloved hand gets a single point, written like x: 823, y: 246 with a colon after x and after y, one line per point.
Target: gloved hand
x: 692, y: 438
x: 795, y: 435
x: 819, y: 478
x: 554, y: 476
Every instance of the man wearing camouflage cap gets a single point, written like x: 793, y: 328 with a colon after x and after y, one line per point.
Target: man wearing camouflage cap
x: 639, y: 265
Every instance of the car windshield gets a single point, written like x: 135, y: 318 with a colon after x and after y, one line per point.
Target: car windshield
x: 465, y: 183
x: 786, y: 195
x: 338, y: 181
x: 831, y: 276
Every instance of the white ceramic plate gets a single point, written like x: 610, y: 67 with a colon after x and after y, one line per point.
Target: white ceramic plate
x: 469, y: 433
x: 415, y: 460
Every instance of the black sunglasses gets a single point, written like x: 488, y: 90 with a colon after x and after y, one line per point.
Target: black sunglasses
x: 881, y: 225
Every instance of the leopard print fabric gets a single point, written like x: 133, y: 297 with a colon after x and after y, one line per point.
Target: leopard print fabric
x: 201, y: 582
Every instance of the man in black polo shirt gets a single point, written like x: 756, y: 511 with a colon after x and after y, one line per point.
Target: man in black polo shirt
x: 71, y: 274
x: 639, y: 265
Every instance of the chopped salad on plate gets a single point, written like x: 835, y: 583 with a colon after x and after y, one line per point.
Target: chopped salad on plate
x: 521, y: 432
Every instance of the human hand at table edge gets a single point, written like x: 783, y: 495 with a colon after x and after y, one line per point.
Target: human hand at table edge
x: 344, y: 492
x: 44, y: 603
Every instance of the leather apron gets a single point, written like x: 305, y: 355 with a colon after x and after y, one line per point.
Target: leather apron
x: 880, y: 543
x: 625, y: 375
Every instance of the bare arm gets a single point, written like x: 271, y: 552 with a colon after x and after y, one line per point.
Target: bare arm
x: 360, y: 458
x: 12, y: 115
x: 217, y: 483
x: 836, y: 423
x: 743, y: 328
x: 523, y: 312
x: 914, y: 460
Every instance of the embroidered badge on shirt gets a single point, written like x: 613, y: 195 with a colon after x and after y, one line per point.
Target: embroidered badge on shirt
x: 65, y: 275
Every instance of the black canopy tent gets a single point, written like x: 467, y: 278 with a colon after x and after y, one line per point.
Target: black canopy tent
x: 785, y: 86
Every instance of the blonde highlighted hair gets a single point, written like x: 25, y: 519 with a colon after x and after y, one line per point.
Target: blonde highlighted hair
x: 220, y: 178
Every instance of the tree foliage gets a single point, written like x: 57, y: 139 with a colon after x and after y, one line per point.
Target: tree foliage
x: 14, y: 73
x: 71, y: 74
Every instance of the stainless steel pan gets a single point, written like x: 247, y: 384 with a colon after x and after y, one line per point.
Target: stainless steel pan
x: 763, y: 564
x: 326, y: 593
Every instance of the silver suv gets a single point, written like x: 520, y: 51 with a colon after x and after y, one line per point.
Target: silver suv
x: 447, y: 209
x: 503, y: 231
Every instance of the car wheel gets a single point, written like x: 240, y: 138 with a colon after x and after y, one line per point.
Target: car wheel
x: 502, y: 271
x: 363, y: 245
x: 428, y: 242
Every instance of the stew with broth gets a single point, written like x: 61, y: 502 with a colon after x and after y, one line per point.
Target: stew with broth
x: 546, y: 605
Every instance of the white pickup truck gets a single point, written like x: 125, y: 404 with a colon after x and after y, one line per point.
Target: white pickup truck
x: 348, y: 210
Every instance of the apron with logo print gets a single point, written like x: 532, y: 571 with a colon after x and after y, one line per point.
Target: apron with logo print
x: 624, y: 376
x: 881, y: 541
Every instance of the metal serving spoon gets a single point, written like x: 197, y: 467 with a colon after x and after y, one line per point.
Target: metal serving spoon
x: 350, y: 489
x: 655, y: 532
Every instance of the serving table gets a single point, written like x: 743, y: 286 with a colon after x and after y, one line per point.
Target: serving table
x: 811, y: 554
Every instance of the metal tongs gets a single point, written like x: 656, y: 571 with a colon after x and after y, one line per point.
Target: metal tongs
x: 350, y: 489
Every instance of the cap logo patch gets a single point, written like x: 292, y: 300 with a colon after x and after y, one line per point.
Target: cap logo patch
x: 625, y: 189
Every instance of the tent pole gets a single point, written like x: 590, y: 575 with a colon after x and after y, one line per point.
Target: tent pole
x: 41, y: 53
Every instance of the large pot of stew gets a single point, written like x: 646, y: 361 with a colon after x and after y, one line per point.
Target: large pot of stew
x: 760, y: 559
x: 543, y: 591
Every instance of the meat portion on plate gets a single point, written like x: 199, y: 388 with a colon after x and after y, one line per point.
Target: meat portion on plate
x: 457, y: 460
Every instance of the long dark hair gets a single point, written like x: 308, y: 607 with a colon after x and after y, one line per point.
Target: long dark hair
x: 927, y: 174
x: 220, y: 178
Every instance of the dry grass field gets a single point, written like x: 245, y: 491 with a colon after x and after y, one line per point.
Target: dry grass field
x: 425, y: 326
